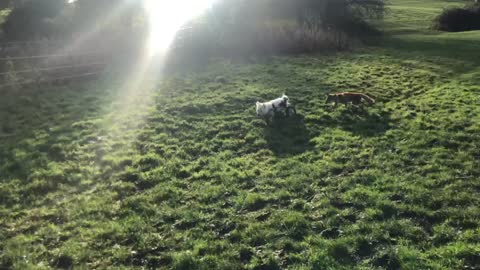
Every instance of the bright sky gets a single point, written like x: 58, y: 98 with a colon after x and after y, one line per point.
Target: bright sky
x: 167, y: 16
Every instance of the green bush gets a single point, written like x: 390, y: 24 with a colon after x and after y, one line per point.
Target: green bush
x: 246, y: 27
x: 458, y: 19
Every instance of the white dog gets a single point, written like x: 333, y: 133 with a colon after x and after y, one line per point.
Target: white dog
x: 268, y: 109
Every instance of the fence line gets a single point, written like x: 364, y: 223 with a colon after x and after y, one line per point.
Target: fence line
x: 47, y: 69
x: 52, y: 80
x: 37, y: 62
x: 22, y: 45
x: 32, y: 42
x: 50, y: 56
x: 37, y: 68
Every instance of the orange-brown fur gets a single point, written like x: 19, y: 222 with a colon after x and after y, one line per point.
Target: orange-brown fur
x: 349, y: 97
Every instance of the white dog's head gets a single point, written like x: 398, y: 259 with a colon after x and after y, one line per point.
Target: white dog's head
x: 262, y: 109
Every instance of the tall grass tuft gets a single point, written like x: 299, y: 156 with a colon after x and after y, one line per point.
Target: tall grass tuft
x: 294, y: 39
x: 202, y: 41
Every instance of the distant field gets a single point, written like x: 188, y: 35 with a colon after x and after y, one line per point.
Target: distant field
x: 415, y: 16
x: 181, y: 175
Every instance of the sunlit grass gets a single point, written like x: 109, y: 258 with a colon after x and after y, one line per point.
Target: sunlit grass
x: 374, y: 188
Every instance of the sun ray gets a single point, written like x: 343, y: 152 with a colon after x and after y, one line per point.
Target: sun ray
x: 167, y: 17
x: 83, y: 38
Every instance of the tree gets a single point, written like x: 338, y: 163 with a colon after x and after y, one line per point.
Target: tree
x: 27, y: 19
x: 340, y: 14
x: 106, y: 14
x: 30, y: 19
x: 5, y: 4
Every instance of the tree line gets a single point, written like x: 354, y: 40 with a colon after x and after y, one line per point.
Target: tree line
x: 230, y: 26
x: 56, y: 19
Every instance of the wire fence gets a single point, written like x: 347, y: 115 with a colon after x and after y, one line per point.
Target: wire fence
x: 47, y: 69
x: 19, y: 67
x: 31, y: 42
x: 50, y: 56
x: 62, y: 78
x: 15, y: 44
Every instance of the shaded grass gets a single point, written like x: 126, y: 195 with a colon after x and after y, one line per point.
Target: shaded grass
x: 186, y: 177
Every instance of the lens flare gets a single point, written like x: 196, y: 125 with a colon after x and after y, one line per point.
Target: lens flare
x: 166, y: 17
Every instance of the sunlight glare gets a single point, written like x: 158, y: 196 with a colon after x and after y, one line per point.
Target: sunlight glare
x: 166, y: 17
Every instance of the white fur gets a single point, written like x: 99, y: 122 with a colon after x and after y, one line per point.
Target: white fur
x: 267, y: 109
x: 264, y: 109
x: 279, y: 101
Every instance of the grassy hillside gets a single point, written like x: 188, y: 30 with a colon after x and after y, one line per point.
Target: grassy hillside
x: 181, y: 174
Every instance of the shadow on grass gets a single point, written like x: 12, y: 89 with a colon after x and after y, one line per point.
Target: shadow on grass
x: 364, y: 122
x: 287, y: 136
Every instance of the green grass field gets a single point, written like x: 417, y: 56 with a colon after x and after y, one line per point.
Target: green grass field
x: 180, y: 174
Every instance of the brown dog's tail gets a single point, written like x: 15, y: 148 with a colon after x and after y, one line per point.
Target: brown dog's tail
x: 368, y: 98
